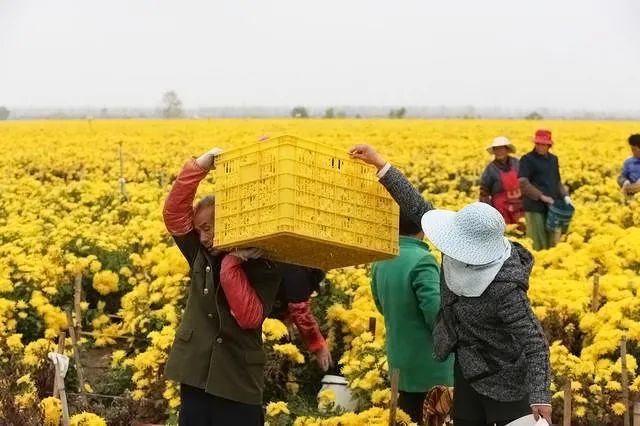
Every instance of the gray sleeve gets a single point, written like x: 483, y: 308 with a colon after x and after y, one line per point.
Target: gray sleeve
x: 406, y: 195
x: 528, y: 189
x: 516, y: 313
x: 561, y: 188
x: 486, y: 178
x: 486, y: 185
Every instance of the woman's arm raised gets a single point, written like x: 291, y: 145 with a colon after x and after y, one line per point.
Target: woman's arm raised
x: 406, y: 195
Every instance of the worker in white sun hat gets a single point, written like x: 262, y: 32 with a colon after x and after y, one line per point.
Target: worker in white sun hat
x: 499, y: 185
x: 501, y: 371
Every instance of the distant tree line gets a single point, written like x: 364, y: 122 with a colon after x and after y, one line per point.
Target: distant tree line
x: 331, y: 112
x: 171, y: 105
x: 398, y: 113
x: 4, y: 113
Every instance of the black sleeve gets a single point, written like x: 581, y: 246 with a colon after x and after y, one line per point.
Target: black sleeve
x: 525, y: 170
x: 317, y: 275
x: 189, y: 244
x: 300, y: 282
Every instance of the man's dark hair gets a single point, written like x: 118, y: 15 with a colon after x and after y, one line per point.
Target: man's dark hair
x: 208, y: 201
x: 407, y: 226
x: 634, y: 140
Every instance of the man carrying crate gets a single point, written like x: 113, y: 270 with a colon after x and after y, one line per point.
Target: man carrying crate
x: 217, y: 355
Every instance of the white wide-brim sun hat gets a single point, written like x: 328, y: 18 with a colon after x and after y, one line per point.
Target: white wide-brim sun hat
x: 474, y: 235
x: 501, y: 141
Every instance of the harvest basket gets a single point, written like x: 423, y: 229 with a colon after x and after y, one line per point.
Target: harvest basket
x: 304, y: 203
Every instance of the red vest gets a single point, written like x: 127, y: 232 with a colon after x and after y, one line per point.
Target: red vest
x: 509, y: 201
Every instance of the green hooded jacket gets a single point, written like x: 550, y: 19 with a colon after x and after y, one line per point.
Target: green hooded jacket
x: 406, y: 291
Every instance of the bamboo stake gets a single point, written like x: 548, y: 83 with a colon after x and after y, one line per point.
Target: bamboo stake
x: 625, y: 381
x: 57, y: 378
x: 636, y: 413
x: 121, y: 162
x: 122, y: 180
x: 113, y: 336
x: 63, y: 396
x: 122, y: 398
x: 76, y: 357
x: 395, y: 378
x: 77, y: 299
x: 595, y: 296
x: 372, y: 326
x: 566, y: 415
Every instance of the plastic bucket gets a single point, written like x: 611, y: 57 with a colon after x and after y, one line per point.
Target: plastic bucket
x: 559, y: 216
x: 339, y: 385
x: 524, y: 421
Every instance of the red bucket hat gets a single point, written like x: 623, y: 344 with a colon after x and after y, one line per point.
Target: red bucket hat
x: 543, y: 137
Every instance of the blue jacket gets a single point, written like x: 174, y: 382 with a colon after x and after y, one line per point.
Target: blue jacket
x: 630, y: 171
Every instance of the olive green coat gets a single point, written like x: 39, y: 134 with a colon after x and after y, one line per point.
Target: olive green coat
x: 211, y: 351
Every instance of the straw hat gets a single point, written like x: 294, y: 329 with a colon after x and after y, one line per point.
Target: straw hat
x: 473, y: 235
x: 501, y: 141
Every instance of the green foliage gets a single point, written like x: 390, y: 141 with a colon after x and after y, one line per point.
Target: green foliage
x: 171, y: 105
x: 330, y: 113
x: 299, y: 112
x: 398, y: 113
x: 116, y: 382
x: 4, y: 113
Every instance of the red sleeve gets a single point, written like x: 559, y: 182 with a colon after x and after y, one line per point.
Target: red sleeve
x: 302, y: 317
x: 178, y: 208
x: 244, y: 303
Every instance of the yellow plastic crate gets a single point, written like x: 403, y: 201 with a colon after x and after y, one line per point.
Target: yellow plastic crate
x: 304, y: 203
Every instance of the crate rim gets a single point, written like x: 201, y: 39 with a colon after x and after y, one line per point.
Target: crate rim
x: 315, y: 239
x: 235, y: 149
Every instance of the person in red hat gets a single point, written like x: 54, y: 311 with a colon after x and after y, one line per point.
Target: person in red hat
x: 541, y: 186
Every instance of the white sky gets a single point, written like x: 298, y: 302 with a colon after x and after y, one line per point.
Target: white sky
x: 510, y: 53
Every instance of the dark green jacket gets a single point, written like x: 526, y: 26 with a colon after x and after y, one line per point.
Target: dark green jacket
x: 406, y: 291
x: 211, y: 351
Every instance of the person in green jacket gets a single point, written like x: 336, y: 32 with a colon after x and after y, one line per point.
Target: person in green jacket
x: 406, y: 291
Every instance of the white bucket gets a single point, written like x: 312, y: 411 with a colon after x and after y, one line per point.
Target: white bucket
x: 528, y: 421
x: 344, y: 399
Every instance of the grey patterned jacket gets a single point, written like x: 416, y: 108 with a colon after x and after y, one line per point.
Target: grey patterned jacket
x: 498, y: 342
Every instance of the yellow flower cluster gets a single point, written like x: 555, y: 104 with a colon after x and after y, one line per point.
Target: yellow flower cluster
x: 326, y: 400
x: 375, y: 416
x: 276, y: 408
x: 87, y: 419
x: 51, y: 411
x: 105, y: 282
x: 273, y: 330
x: 63, y: 218
x: 148, y: 364
x: 26, y: 395
x: 290, y: 351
